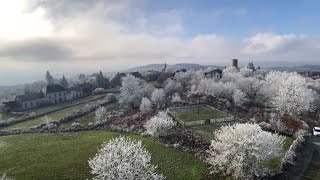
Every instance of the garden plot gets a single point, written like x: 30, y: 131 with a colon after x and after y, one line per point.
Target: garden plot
x: 66, y: 155
x: 199, y: 115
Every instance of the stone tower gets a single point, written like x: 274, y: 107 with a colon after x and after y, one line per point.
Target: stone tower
x: 234, y: 63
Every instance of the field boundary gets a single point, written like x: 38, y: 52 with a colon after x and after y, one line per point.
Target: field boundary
x: 22, y: 119
x: 228, y: 118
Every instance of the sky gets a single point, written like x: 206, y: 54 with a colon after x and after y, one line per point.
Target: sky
x: 84, y: 36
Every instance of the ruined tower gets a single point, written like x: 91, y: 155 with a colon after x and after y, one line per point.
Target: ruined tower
x: 234, y: 63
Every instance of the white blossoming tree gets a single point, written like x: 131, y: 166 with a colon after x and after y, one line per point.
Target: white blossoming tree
x: 159, y: 125
x: 158, y: 97
x: 176, y: 98
x: 289, y: 92
x: 242, y: 151
x: 100, y: 114
x: 123, y: 158
x: 145, y: 105
x: 133, y: 90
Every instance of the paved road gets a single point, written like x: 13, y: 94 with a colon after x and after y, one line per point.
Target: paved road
x: 313, y: 170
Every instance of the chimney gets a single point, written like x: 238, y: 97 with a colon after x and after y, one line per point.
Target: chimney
x: 234, y: 62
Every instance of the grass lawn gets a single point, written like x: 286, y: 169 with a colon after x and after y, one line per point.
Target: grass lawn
x: 54, y: 116
x: 65, y: 156
x: 188, y: 115
x: 6, y: 116
x: 65, y: 104
x: 84, y: 120
x: 274, y: 163
x: 153, y: 83
x: 206, y: 130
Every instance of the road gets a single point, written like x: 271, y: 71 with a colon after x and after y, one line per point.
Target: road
x: 313, y: 170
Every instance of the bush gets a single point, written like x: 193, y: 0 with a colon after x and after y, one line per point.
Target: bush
x: 158, y: 97
x: 145, y: 105
x: 123, y: 158
x: 111, y: 98
x: 159, y: 125
x: 100, y: 114
x: 243, y: 150
x: 98, y: 91
x: 5, y: 177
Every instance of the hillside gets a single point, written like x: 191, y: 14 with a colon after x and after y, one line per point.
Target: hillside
x: 159, y: 67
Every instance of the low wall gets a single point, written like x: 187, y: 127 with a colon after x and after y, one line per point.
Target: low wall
x: 27, y: 117
x: 199, y: 122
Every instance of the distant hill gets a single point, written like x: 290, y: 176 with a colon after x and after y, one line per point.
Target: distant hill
x: 297, y: 68
x: 159, y: 67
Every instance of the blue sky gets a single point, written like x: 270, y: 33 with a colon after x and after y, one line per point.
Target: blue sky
x: 84, y: 36
x: 240, y: 18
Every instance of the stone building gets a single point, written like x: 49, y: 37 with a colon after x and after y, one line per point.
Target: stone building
x: 55, y: 93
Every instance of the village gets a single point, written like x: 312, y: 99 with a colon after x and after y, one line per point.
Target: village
x: 188, y: 120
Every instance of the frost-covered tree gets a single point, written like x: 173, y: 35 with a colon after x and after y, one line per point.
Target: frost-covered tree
x: 159, y: 125
x: 158, y: 97
x: 123, y: 158
x: 133, y: 90
x: 100, y: 114
x: 49, y: 78
x: 176, y: 98
x: 171, y: 87
x: 184, y: 78
x: 64, y: 82
x: 243, y: 150
x: 230, y: 69
x: 245, y: 72
x: 239, y: 97
x: 145, y: 105
x: 289, y: 93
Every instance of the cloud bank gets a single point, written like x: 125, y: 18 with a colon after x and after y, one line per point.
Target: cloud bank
x: 110, y: 35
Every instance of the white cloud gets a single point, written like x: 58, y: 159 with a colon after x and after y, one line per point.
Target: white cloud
x: 113, y: 35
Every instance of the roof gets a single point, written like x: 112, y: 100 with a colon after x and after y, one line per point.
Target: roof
x: 52, y: 88
x: 30, y: 97
x: 215, y: 71
x: 74, y: 88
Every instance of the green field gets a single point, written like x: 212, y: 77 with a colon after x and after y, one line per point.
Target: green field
x: 66, y: 104
x: 206, y: 130
x: 84, y: 120
x: 65, y: 156
x: 56, y: 116
x: 195, y: 114
x: 7, y: 116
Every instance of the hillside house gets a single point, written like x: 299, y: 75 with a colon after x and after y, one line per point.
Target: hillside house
x: 31, y: 100
x: 51, y: 94
x: 216, y: 73
x: 55, y: 93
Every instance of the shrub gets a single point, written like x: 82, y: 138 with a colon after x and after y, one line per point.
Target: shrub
x: 145, y: 105
x: 98, y: 91
x: 159, y: 125
x: 111, y: 98
x: 123, y: 158
x: 100, y: 114
x: 5, y: 177
x: 176, y: 98
x: 243, y: 150
x: 158, y: 97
